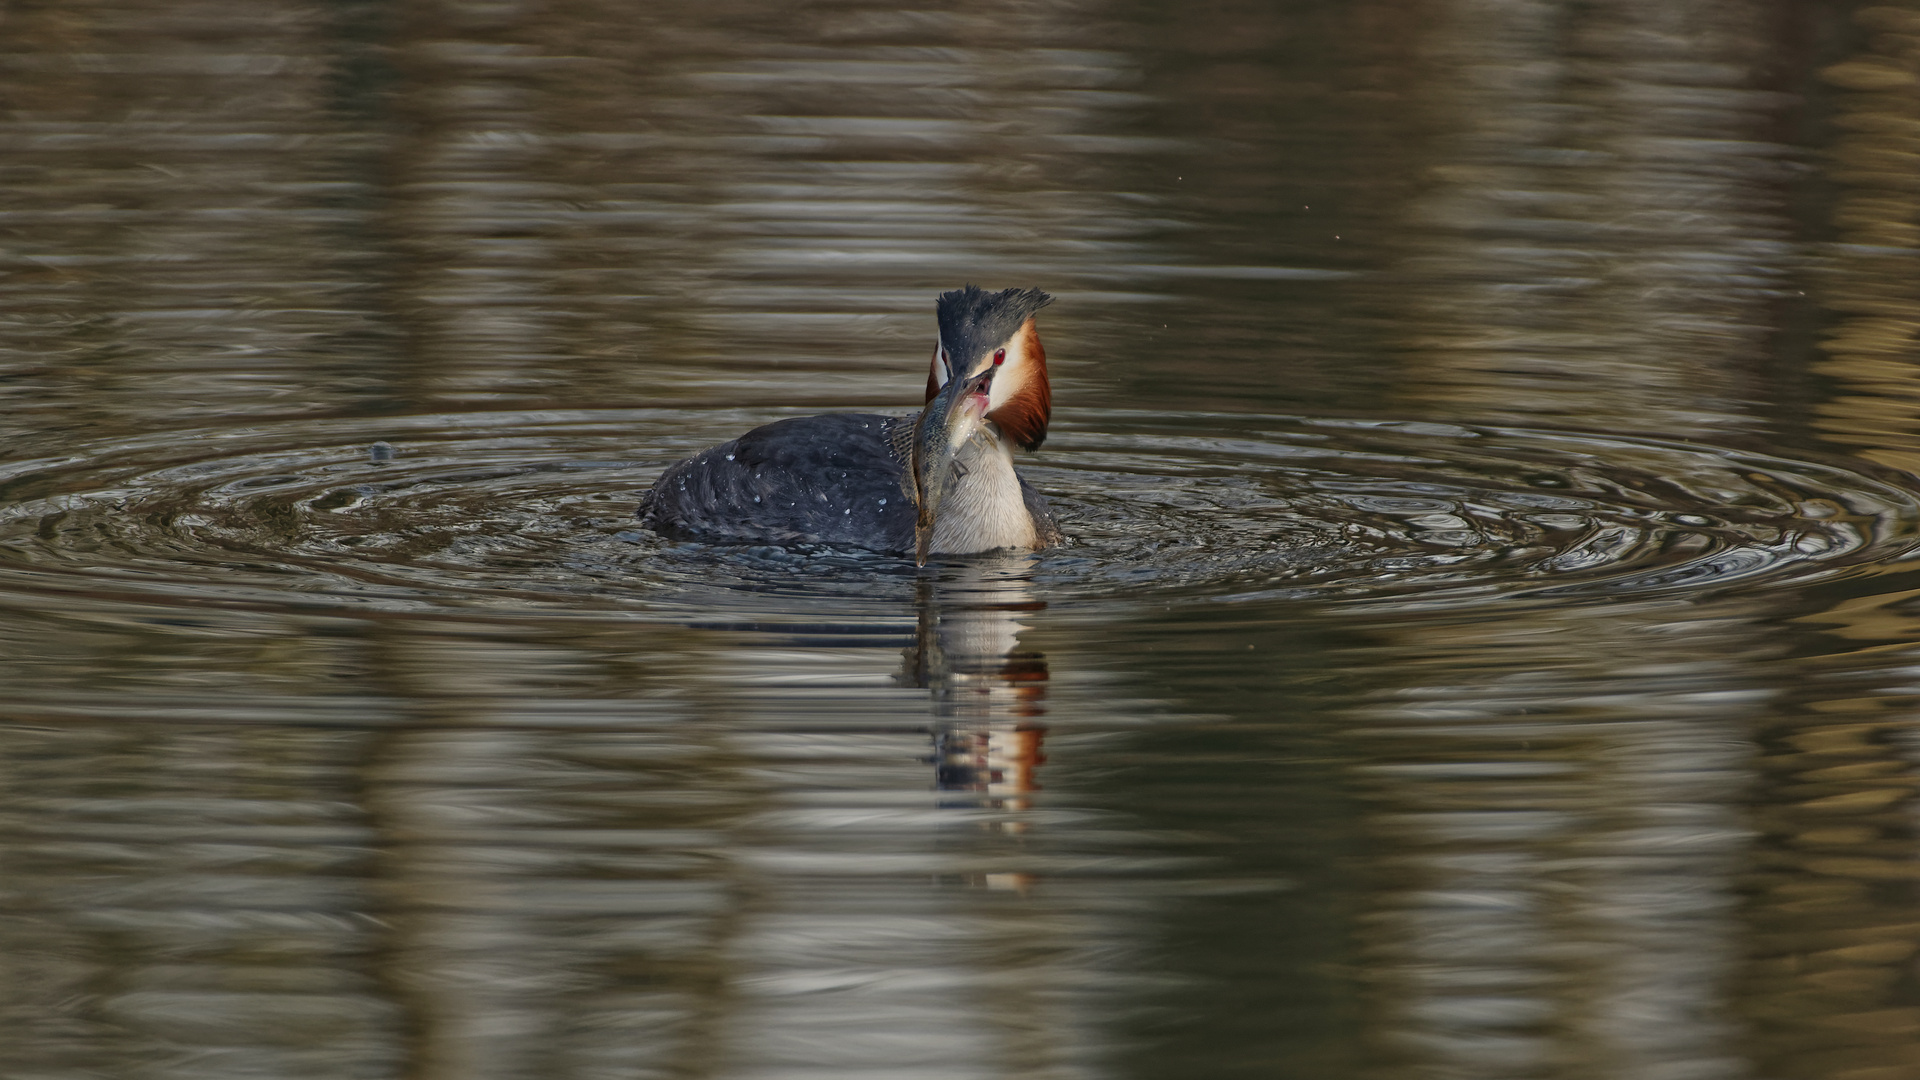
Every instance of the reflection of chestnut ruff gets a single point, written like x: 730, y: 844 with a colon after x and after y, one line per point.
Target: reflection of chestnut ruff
x: 939, y: 482
x: 1001, y: 760
x: 995, y: 747
x: 996, y: 766
x: 988, y: 694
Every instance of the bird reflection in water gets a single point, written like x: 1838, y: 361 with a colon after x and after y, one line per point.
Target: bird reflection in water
x: 988, y: 694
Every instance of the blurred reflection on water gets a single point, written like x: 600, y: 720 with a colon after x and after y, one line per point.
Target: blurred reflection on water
x: 1869, y: 281
x: 1565, y: 890
x: 1604, y: 228
x: 1487, y: 649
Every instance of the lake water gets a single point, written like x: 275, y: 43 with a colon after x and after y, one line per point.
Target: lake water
x: 1488, y: 644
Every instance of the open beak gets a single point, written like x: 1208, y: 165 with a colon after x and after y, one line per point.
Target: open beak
x: 945, y: 425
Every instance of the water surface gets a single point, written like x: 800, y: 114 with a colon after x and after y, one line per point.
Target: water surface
x: 1484, y: 646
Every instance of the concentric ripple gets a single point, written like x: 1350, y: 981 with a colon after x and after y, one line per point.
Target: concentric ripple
x: 532, y: 513
x: 1358, y: 509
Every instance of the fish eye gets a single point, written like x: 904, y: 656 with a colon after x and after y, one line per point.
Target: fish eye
x: 999, y: 357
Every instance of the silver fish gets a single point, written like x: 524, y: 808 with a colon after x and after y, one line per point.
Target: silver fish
x: 942, y: 428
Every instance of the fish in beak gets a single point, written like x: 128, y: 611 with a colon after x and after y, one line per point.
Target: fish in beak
x: 944, y: 426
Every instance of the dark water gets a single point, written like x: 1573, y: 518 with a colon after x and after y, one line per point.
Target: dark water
x: 1488, y: 645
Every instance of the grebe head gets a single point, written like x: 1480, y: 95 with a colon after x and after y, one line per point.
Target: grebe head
x: 988, y: 380
x: 981, y: 330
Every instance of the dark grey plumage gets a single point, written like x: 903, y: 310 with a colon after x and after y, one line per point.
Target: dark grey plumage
x: 839, y: 478
x: 831, y: 479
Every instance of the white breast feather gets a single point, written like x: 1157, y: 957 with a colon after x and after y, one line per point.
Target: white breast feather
x: 984, y: 509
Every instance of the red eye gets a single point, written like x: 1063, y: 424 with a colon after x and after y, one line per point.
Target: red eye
x: 999, y: 357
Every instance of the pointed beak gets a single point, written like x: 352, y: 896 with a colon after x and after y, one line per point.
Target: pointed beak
x: 945, y: 425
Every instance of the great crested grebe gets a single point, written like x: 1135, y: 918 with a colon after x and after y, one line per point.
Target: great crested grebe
x: 940, y: 482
